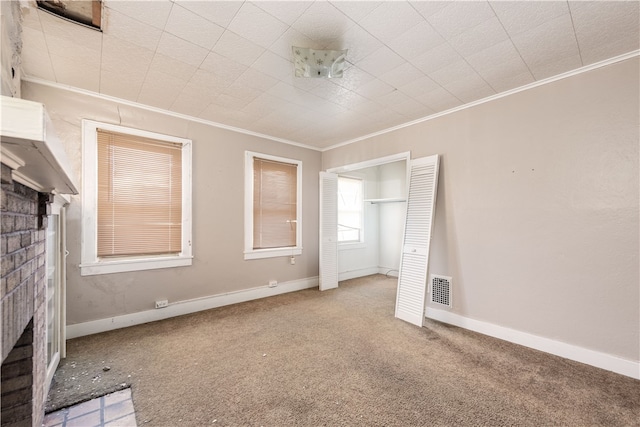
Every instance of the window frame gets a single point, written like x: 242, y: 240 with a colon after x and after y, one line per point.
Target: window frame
x: 249, y: 251
x: 90, y: 263
x: 354, y: 244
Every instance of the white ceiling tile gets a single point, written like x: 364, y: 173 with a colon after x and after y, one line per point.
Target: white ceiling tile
x: 285, y: 11
x: 119, y: 85
x: 322, y: 21
x: 35, y: 56
x: 359, y: 42
x: 190, y: 27
x: 65, y: 30
x: 209, y: 83
x: 436, y: 58
x: 470, y: 89
x: 356, y: 10
x: 419, y: 87
x: 263, y: 105
x: 380, y: 61
x: 256, y: 80
x: 172, y: 67
x: 558, y: 66
x: 548, y: 42
x: 401, y: 75
x: 502, y: 83
x: 191, y: 101
x: 283, y: 46
x: 416, y: 41
x: 160, y: 89
x: 502, y: 56
x: 391, y: 19
x: 155, y: 16
x: 223, y: 68
x: 132, y: 30
x: 428, y: 8
x: 67, y: 72
x: 310, y: 84
x: 117, y: 54
x: 353, y: 78
x: 218, y: 12
x: 181, y: 50
x: 439, y: 100
x: 455, y: 71
x: 73, y: 50
x: 257, y: 25
x: 237, y: 48
x: 458, y: 17
x: 230, y: 102
x: 482, y: 36
x: 374, y: 89
x: 241, y: 91
x: 520, y: 16
x: 604, y: 31
x: 275, y: 66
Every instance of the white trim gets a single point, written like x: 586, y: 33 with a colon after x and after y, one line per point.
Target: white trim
x: 10, y: 159
x: 249, y: 251
x: 25, y: 180
x: 180, y: 308
x: 405, y: 155
x: 352, y: 274
x: 492, y: 98
x: 598, y: 359
x: 90, y: 263
x: 122, y: 101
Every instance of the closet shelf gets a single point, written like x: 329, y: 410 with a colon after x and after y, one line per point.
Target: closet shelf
x: 387, y: 200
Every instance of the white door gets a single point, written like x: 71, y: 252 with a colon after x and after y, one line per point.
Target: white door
x: 414, y: 261
x: 56, y: 278
x: 328, y: 231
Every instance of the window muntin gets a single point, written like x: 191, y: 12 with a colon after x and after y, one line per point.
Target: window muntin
x: 272, y: 206
x: 136, y: 200
x: 350, y: 209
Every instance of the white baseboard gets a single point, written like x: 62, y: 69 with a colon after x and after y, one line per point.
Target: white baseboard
x: 179, y: 308
x: 606, y: 361
x: 352, y: 274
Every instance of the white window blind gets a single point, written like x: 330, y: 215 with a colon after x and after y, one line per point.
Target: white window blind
x: 139, y: 195
x: 274, y: 204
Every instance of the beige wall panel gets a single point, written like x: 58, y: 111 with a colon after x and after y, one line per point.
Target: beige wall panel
x: 218, y: 209
x: 537, y: 211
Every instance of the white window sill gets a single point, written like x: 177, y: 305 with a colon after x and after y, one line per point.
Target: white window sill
x: 351, y: 245
x: 136, y: 264
x: 272, y: 253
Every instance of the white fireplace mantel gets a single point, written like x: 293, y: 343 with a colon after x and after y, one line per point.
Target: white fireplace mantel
x: 31, y: 149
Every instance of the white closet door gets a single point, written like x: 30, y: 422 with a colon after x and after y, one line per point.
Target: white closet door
x: 328, y: 231
x: 421, y: 203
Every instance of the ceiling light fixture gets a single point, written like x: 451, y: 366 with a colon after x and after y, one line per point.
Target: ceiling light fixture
x: 327, y: 64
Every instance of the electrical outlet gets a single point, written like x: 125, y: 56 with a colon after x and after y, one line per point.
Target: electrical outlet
x: 162, y: 303
x: 292, y: 260
x: 273, y: 283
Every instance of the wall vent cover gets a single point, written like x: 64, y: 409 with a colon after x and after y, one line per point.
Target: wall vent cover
x: 440, y: 289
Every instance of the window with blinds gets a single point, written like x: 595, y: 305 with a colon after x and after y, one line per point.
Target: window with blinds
x: 350, y: 209
x: 139, y: 206
x: 274, y: 204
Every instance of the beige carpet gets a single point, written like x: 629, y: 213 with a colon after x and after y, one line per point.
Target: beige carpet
x: 332, y: 358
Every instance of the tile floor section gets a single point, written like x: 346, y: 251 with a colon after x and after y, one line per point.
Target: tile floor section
x: 111, y: 410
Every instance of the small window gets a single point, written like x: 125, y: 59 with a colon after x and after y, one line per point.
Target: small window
x: 350, y: 209
x: 272, y: 206
x: 136, y: 200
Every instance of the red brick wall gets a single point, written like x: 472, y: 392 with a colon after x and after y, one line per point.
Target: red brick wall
x: 22, y: 303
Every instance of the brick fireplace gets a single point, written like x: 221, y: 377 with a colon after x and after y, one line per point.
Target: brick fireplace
x: 23, y: 290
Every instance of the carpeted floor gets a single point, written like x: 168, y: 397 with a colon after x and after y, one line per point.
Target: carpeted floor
x: 332, y: 358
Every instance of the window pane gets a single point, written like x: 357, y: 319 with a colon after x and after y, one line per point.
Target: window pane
x: 274, y: 204
x: 139, y: 196
x: 350, y: 207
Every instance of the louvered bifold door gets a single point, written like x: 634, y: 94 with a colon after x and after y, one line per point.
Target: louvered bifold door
x: 421, y: 203
x: 328, y: 231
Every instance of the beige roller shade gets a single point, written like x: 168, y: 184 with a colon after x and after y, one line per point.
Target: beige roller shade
x: 139, y: 195
x: 274, y: 204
